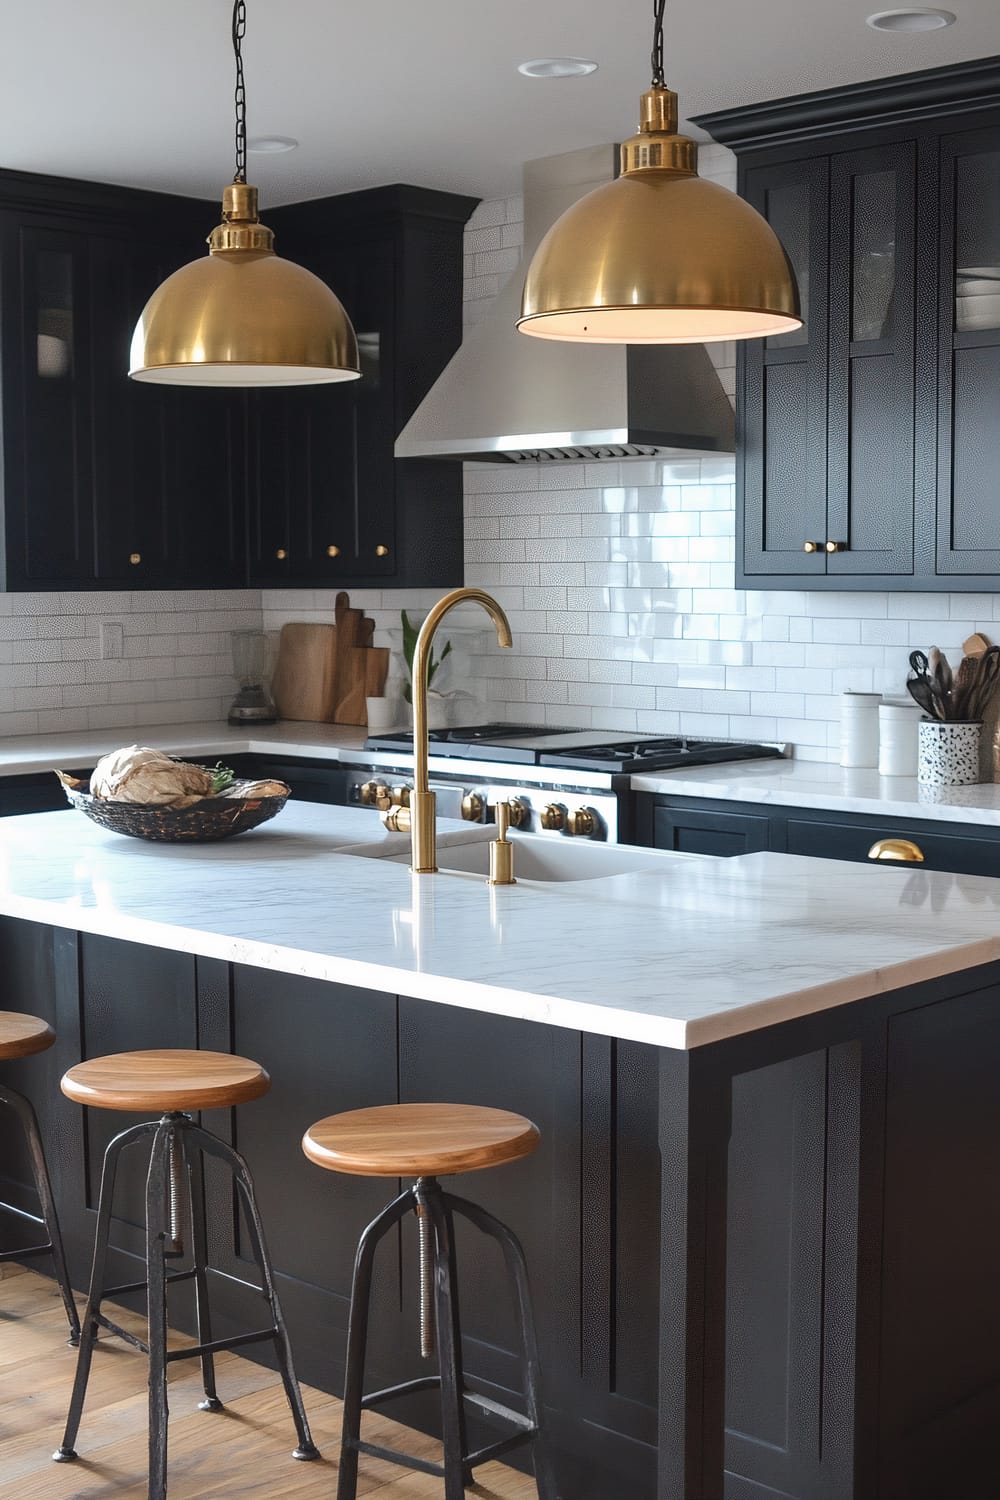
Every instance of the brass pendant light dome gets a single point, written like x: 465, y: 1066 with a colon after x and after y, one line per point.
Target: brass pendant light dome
x: 660, y: 255
x: 241, y: 315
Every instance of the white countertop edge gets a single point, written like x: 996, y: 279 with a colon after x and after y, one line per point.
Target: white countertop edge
x: 497, y: 999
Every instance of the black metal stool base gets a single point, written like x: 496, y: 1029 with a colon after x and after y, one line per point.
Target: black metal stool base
x: 48, y: 1218
x: 173, y: 1202
x: 437, y: 1210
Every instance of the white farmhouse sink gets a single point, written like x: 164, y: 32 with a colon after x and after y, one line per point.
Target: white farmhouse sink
x: 538, y: 858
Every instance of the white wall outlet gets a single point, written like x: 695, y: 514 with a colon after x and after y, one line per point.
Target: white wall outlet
x: 112, y: 640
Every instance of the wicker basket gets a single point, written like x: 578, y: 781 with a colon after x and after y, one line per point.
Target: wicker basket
x: 204, y: 822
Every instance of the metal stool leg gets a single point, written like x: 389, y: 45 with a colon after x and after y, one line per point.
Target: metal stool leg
x: 158, y: 1234
x: 199, y: 1252
x: 357, y: 1337
x: 517, y: 1270
x: 88, y: 1335
x: 24, y: 1110
x: 210, y: 1144
x: 457, y: 1475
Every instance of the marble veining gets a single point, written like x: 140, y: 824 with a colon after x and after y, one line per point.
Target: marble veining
x: 677, y: 955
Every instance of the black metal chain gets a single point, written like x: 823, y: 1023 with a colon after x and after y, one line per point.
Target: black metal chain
x: 239, y: 32
x: 657, y: 54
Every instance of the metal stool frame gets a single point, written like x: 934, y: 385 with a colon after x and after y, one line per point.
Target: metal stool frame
x: 48, y: 1217
x: 437, y: 1209
x: 172, y: 1201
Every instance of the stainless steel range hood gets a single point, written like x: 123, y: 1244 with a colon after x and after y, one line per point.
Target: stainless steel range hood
x: 505, y: 398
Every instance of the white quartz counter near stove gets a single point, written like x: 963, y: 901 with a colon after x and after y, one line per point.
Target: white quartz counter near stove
x: 813, y: 784
x: 679, y: 955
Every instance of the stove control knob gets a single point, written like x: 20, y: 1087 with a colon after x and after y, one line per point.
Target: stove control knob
x: 581, y: 823
x: 473, y: 806
x: 400, y: 796
x: 519, y: 811
x: 375, y: 794
x: 553, y: 816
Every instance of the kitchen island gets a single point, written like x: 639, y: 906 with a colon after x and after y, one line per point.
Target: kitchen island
x: 762, y: 1225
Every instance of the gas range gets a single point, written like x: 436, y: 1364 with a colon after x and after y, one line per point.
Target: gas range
x: 561, y: 782
x: 574, y: 749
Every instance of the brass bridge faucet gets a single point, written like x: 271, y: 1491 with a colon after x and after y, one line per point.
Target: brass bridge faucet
x: 419, y: 817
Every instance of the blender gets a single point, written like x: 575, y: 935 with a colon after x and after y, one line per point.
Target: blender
x: 253, y: 703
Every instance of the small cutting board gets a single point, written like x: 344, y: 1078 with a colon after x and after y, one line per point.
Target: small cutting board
x: 305, y: 676
x: 367, y: 667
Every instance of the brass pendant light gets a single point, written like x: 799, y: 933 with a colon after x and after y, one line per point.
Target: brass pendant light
x: 241, y: 315
x: 660, y: 255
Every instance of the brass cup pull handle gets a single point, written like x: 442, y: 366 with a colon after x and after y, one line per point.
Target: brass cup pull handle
x: 812, y: 546
x: 900, y: 850
x: 836, y: 546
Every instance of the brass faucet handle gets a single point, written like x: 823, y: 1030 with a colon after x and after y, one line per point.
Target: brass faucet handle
x: 396, y: 819
x: 502, y: 850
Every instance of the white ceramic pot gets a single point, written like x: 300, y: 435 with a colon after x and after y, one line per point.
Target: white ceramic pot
x: 948, y: 753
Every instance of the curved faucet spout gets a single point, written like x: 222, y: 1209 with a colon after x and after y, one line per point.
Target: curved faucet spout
x: 422, y: 826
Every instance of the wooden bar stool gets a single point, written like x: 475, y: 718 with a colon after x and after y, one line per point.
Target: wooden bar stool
x: 426, y: 1141
x: 22, y: 1036
x: 170, y: 1083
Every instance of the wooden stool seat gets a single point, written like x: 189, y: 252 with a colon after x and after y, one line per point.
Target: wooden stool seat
x: 167, y: 1081
x: 418, y: 1140
x: 21, y: 1035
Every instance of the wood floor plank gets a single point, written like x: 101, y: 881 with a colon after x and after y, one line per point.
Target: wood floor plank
x: 244, y: 1450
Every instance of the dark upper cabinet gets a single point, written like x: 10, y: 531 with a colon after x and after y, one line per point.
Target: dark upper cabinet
x: 111, y: 483
x: 869, y: 440
x: 329, y: 502
x: 968, y: 530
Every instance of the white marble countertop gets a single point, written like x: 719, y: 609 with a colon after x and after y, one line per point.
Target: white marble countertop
x: 815, y: 784
x: 680, y: 954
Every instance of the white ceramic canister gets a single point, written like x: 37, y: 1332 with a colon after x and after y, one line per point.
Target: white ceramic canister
x: 859, y: 728
x: 898, y: 738
x: 949, y: 753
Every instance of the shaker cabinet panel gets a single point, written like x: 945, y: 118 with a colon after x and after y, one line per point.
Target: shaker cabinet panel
x: 880, y: 416
x: 968, y: 537
x: 782, y: 414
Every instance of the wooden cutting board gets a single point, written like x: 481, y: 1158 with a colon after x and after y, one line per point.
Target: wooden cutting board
x: 367, y: 669
x: 304, y: 685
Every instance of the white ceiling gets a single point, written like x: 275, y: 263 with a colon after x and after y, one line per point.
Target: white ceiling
x: 132, y: 92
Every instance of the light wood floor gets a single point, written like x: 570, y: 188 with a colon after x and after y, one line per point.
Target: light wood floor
x: 242, y: 1451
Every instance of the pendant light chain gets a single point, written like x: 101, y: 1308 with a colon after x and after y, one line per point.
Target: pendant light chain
x: 239, y: 32
x: 657, y: 54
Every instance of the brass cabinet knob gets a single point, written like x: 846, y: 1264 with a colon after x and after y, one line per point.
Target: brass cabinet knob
x: 836, y: 546
x: 333, y: 551
x: 374, y: 794
x: 381, y: 551
x: 553, y: 816
x: 472, y: 807
x: 903, y: 850
x: 581, y: 822
x: 400, y: 796
x: 134, y: 558
x: 281, y: 554
x: 812, y: 546
x: 518, y: 812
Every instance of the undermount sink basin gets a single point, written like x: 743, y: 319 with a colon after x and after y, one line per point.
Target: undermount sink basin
x: 551, y: 859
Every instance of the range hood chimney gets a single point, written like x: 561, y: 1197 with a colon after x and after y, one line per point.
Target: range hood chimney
x: 505, y: 398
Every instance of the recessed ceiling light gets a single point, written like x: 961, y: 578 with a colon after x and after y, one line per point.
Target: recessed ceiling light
x: 557, y: 67
x: 915, y: 19
x: 271, y: 145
